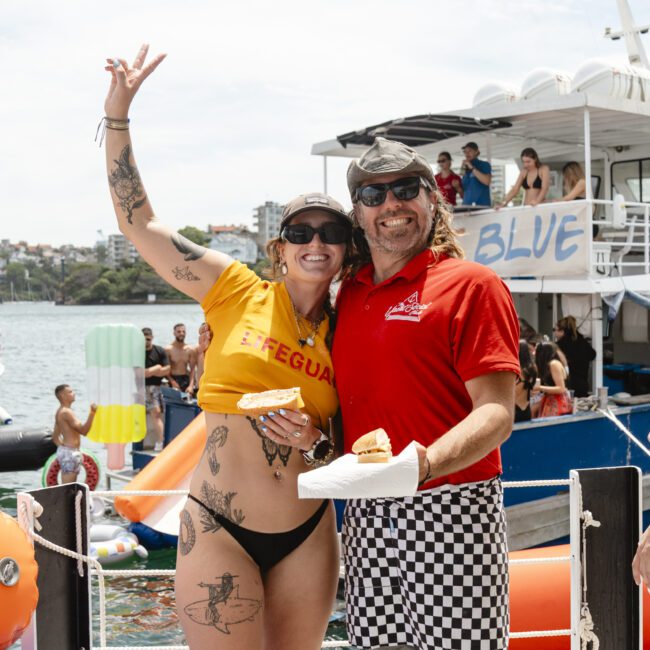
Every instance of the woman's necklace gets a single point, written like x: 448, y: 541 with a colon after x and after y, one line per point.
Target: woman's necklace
x: 309, y: 339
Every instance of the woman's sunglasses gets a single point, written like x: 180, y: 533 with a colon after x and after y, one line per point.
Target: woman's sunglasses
x: 404, y: 189
x: 329, y: 233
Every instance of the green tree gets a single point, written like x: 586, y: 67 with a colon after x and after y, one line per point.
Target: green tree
x: 101, y: 291
x: 101, y: 253
x: 196, y: 235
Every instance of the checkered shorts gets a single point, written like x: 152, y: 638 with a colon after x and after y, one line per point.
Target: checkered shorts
x: 428, y: 571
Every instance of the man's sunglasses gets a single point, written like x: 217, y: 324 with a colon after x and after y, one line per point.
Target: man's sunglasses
x: 404, y: 189
x: 329, y: 233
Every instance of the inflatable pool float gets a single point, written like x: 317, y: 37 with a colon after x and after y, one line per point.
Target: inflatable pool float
x: 90, y: 464
x: 24, y: 449
x: 110, y: 544
x: 18, y: 590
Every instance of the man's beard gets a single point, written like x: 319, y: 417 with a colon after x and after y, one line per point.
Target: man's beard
x: 395, y: 241
x: 180, y: 339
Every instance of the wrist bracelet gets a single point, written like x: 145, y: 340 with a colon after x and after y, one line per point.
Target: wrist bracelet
x: 110, y: 123
x: 118, y: 125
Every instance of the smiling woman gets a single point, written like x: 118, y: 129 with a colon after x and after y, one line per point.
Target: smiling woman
x: 284, y: 563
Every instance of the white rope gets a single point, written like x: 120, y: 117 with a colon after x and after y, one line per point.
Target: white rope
x: 587, y: 634
x: 134, y: 574
x: 607, y: 412
x: 531, y: 635
x: 525, y: 484
x: 506, y: 484
x: 105, y: 493
x: 326, y: 644
x: 75, y: 556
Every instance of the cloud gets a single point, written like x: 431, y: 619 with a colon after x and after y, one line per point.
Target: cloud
x: 228, y: 120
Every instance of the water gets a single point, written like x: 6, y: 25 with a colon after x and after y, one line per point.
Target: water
x: 41, y: 346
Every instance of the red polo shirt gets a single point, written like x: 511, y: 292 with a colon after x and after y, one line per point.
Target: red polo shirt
x: 404, y: 348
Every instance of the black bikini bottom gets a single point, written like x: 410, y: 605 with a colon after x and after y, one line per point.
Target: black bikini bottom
x: 267, y: 549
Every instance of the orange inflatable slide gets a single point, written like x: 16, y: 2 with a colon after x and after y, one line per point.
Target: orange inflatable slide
x: 539, y: 593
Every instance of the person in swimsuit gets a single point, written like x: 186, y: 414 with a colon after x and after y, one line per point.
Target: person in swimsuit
x: 574, y: 185
x: 182, y: 359
x: 256, y: 566
x: 67, y: 433
x: 534, y: 177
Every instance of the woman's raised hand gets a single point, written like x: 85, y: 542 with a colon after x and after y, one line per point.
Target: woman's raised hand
x: 125, y: 82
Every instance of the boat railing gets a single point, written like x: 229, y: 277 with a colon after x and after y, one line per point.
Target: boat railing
x: 623, y: 235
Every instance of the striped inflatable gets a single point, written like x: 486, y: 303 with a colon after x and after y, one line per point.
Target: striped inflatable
x: 115, y: 370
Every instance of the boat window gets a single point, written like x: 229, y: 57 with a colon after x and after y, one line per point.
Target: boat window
x: 631, y: 178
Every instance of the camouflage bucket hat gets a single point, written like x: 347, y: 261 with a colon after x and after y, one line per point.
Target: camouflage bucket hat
x: 387, y: 157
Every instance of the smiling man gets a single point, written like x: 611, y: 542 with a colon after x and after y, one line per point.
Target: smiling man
x: 426, y: 347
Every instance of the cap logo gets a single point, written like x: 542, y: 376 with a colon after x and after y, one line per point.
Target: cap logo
x: 309, y: 200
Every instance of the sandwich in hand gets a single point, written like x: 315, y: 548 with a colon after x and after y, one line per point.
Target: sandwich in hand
x: 373, y: 447
x: 271, y: 400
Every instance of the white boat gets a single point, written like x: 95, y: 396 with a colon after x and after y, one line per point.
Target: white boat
x: 600, y: 117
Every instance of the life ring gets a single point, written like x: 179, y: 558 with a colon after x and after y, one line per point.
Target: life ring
x: 90, y: 463
x: 18, y: 590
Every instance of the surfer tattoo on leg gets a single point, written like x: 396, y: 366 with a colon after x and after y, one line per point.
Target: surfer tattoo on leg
x: 125, y: 181
x: 224, y: 606
x: 220, y: 503
x: 271, y: 449
x: 186, y: 534
x: 216, y: 439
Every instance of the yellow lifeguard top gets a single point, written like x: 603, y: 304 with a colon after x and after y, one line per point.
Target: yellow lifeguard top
x: 255, y: 347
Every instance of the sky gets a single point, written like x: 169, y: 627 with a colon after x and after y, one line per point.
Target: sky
x: 227, y: 121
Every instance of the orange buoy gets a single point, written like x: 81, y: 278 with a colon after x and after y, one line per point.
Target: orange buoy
x: 18, y: 590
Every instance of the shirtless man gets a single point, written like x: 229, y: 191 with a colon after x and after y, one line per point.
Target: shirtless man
x: 67, y: 433
x: 181, y: 357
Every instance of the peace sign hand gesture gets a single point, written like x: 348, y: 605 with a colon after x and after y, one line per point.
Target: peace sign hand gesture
x: 125, y: 82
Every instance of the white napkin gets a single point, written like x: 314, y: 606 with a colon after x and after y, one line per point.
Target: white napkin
x: 346, y: 478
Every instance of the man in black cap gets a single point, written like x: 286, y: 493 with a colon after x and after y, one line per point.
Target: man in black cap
x: 477, y: 176
x: 426, y: 347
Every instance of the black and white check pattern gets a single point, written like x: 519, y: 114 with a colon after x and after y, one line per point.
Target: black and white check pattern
x: 428, y: 571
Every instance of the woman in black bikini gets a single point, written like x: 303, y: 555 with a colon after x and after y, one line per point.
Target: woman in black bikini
x: 257, y: 567
x: 534, y: 177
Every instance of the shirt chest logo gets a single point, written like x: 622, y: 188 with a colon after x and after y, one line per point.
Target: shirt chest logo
x: 408, y: 309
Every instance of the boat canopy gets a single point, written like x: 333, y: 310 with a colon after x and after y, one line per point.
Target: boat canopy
x: 554, y: 126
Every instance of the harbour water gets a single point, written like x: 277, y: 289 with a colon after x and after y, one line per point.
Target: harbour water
x: 42, y: 345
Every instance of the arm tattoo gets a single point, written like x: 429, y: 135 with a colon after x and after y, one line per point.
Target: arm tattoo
x: 220, y: 503
x: 126, y: 184
x: 217, y: 438
x: 223, y: 606
x: 186, y: 533
x: 270, y: 448
x: 185, y: 274
x: 190, y: 251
